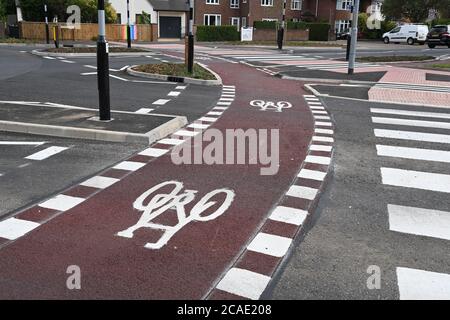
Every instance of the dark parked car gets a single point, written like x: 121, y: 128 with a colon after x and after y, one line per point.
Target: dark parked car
x: 439, y: 36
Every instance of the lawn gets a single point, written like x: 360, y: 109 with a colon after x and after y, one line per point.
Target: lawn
x: 441, y: 66
x: 177, y: 70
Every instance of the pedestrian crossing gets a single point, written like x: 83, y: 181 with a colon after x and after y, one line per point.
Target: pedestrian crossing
x: 422, y: 137
x: 415, y: 87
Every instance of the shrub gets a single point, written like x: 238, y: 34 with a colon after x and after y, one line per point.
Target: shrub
x: 265, y: 24
x: 217, y: 33
x: 297, y: 25
x: 318, y: 31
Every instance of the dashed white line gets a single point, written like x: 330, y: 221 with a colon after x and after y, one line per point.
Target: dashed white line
x: 46, y: 153
x: 318, y: 160
x: 302, y: 192
x: 144, y: 110
x: 270, y: 244
x: 244, y: 283
x: 129, y: 165
x: 289, y: 215
x: 99, y: 182
x: 316, y: 147
x: 61, y: 202
x: 312, y: 174
x: 173, y: 142
x: 13, y: 228
x: 153, y: 152
x: 161, y: 102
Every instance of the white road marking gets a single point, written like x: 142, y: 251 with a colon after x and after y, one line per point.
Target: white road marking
x: 318, y: 112
x: 322, y: 117
x: 318, y: 160
x: 226, y: 99
x: 289, y: 215
x: 302, y: 192
x: 322, y: 139
x: 46, y: 153
x: 161, y: 102
x: 61, y: 202
x: 88, y: 73
x: 220, y: 108
x: 223, y: 103
x: 418, y: 221
x: 123, y: 68
x: 270, y: 244
x: 323, y: 131
x: 416, y: 284
x: 173, y: 93
x: 316, y: 147
x: 412, y: 123
x: 208, y: 119
x: 412, y: 135
x: 67, y: 61
x: 180, y: 87
x: 119, y: 78
x: 13, y: 228
x: 244, y: 283
x: 323, y: 124
x: 90, y: 67
x: 312, y: 174
x: 49, y: 58
x: 20, y: 143
x: 411, y: 113
x: 416, y: 179
x: 153, y: 152
x: 413, y: 153
x: 214, y: 113
x: 144, y: 110
x: 129, y: 165
x: 198, y: 126
x: 99, y: 182
x: 187, y: 133
x: 172, y: 142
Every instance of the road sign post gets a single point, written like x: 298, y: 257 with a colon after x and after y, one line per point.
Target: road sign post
x: 354, y: 39
x: 103, y: 65
x: 190, y: 53
x: 47, y: 31
x: 128, y: 25
x: 280, y: 35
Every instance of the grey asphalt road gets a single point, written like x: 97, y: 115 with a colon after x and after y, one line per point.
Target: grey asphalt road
x: 24, y: 181
x: 28, y: 77
x: 351, y: 230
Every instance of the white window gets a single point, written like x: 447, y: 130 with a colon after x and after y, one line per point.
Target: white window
x: 212, y: 1
x: 267, y: 3
x: 344, y: 4
x: 244, y: 22
x: 212, y: 20
x: 234, y: 4
x: 235, y: 22
x: 342, y: 25
x: 269, y: 19
x: 296, y: 5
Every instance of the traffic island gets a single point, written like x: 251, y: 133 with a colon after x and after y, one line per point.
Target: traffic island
x: 177, y: 72
x: 82, y: 123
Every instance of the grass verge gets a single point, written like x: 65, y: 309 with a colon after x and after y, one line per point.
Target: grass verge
x: 15, y: 40
x: 394, y: 58
x: 177, y: 70
x: 441, y: 66
x: 92, y: 50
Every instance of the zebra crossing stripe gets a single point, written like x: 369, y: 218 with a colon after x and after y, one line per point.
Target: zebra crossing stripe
x: 416, y: 179
x: 412, y: 135
x: 418, y: 221
x: 411, y: 113
x: 413, y: 153
x: 417, y: 284
x: 412, y: 123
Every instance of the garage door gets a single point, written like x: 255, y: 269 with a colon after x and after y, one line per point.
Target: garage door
x: 170, y: 27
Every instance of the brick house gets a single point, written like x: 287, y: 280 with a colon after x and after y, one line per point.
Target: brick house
x: 246, y: 12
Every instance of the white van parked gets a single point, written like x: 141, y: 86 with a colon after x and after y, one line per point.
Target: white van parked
x: 409, y: 33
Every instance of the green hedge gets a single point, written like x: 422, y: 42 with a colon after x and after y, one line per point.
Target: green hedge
x: 217, y: 33
x: 317, y: 31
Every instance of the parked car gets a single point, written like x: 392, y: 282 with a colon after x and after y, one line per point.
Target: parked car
x: 408, y: 33
x: 439, y: 36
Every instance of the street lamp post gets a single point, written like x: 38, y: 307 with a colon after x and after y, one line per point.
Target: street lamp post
x: 190, y: 62
x: 47, y: 31
x: 280, y: 36
x: 354, y: 38
x: 128, y: 25
x: 103, y: 65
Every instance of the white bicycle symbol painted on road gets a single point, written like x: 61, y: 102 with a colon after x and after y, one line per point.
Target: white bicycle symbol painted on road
x: 174, y: 200
x: 271, y: 106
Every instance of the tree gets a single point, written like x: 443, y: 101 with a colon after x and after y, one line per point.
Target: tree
x: 414, y: 10
x: 33, y: 10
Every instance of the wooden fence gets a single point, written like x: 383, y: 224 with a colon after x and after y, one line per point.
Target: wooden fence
x: 88, y: 31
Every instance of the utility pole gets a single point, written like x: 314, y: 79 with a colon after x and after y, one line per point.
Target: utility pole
x: 128, y: 25
x: 47, y: 31
x: 354, y: 38
x: 190, y: 55
x: 281, y: 30
x: 103, y: 65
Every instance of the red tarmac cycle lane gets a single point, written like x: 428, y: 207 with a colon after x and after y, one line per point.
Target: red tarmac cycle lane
x: 195, y: 258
